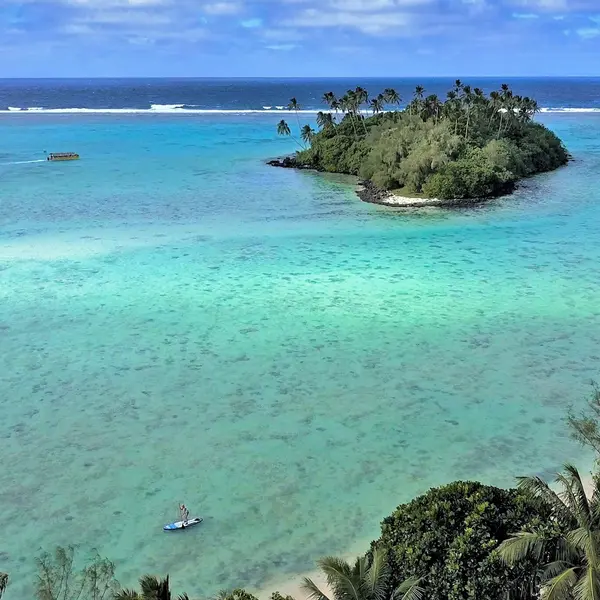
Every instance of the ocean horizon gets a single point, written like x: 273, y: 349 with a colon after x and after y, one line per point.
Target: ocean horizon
x: 180, y: 322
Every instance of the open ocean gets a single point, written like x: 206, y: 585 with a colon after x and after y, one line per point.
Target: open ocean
x: 181, y: 323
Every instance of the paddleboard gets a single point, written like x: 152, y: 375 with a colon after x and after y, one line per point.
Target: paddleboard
x: 182, y: 524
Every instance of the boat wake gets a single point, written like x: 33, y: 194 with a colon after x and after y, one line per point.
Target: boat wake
x: 24, y: 162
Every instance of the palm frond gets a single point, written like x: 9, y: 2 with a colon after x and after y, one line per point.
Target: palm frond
x: 523, y: 545
x: 149, y: 584
x: 584, y: 510
x: 537, y: 487
x: 339, y: 578
x: 409, y: 589
x: 561, y: 586
x: 555, y: 568
x: 584, y: 540
x: 588, y: 586
x: 375, y: 579
x: 126, y: 594
x: 312, y: 590
x: 183, y: 596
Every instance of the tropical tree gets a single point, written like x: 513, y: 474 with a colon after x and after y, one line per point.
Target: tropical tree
x: 58, y: 579
x: 325, y: 120
x: 307, y: 134
x: 293, y: 105
x: 567, y: 548
x: 329, y: 99
x: 151, y: 588
x: 391, y: 96
x: 3, y: 583
x: 377, y: 104
x: 363, y: 581
x: 585, y: 426
x: 284, y: 129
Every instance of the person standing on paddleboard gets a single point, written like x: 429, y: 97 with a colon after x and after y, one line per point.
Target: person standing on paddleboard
x: 184, y: 512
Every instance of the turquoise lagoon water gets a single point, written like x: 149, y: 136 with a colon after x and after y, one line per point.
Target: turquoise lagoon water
x: 179, y: 322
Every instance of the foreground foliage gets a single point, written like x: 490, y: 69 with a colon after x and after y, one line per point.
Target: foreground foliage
x: 367, y: 579
x: 567, y: 549
x: 58, y: 579
x: 448, y: 539
x: 3, y: 583
x: 468, y: 146
x: 585, y: 426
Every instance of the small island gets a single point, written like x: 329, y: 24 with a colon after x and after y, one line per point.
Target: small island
x: 467, y: 148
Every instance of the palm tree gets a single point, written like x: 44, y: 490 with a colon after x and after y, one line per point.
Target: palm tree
x: 376, y: 104
x: 307, y: 134
x: 325, y: 120
x: 391, y: 96
x: 3, y: 583
x: 293, y: 105
x: 569, y: 546
x: 363, y: 581
x: 284, y: 129
x: 152, y: 588
x: 329, y: 99
x: 467, y: 99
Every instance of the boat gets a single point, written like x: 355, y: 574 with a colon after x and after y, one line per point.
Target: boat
x: 62, y: 156
x: 182, y: 524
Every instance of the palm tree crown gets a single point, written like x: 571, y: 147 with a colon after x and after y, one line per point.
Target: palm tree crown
x: 283, y: 128
x: 363, y: 581
x: 568, y: 548
x: 307, y: 134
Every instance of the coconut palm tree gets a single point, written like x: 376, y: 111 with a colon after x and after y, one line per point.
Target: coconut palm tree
x: 151, y: 588
x: 325, y: 120
x: 329, y: 99
x: 568, y: 548
x: 362, y: 581
x: 3, y: 583
x: 391, y: 96
x: 293, y: 105
x: 307, y: 134
x: 284, y: 129
x: 377, y: 103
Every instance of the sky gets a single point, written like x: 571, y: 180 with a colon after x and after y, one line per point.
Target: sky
x: 298, y: 38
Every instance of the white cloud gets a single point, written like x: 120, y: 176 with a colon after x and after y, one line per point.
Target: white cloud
x: 374, y: 5
x: 114, y: 17
x: 587, y: 33
x: 282, y: 47
x: 251, y: 23
x: 222, y: 8
x: 374, y: 23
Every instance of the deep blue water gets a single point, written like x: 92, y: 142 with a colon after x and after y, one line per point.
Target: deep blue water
x: 255, y: 94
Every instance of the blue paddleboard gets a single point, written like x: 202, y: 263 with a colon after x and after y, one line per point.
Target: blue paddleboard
x: 182, y: 524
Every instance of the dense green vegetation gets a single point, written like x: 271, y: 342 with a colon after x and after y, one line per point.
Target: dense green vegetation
x: 468, y: 146
x: 449, y: 539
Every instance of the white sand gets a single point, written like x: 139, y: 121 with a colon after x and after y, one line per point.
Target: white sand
x: 292, y: 585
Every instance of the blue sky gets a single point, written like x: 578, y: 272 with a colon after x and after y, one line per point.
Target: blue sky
x: 254, y: 38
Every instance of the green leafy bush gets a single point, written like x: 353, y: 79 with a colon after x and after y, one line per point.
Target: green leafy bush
x: 449, y: 538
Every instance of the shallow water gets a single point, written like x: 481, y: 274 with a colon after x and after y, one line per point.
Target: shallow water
x: 179, y: 322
